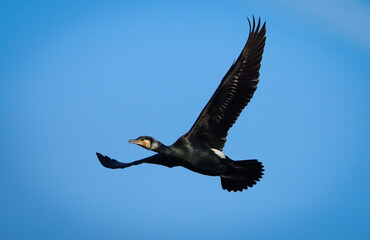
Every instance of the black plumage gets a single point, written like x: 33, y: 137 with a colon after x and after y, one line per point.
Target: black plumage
x: 200, y: 149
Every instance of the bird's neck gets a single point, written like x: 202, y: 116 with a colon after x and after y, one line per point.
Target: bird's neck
x: 163, y: 149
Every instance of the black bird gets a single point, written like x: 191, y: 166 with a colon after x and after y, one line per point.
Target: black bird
x: 200, y: 149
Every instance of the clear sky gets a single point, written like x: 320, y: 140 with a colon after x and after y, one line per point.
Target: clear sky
x: 79, y: 77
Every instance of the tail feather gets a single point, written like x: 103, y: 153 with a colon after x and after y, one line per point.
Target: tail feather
x: 243, y: 174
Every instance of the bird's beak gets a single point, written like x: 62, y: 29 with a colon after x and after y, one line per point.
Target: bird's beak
x: 138, y: 142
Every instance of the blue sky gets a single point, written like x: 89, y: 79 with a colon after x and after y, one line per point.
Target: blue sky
x: 84, y: 76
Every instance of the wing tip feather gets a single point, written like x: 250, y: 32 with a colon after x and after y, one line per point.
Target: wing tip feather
x: 253, y: 28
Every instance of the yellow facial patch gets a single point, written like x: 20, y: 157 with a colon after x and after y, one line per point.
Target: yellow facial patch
x: 142, y: 143
x: 145, y: 143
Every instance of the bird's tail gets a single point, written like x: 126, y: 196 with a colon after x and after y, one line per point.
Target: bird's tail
x: 243, y: 174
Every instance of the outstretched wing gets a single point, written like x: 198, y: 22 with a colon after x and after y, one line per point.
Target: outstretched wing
x: 233, y: 94
x: 155, y: 159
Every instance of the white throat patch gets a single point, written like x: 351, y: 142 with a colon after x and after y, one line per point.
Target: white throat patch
x: 154, y: 145
x: 218, y: 153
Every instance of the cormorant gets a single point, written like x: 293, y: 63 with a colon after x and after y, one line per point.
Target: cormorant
x: 200, y: 149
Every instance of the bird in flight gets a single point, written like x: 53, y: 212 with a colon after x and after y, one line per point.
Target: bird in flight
x: 200, y: 149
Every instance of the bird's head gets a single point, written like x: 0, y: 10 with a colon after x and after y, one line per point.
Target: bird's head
x: 149, y: 143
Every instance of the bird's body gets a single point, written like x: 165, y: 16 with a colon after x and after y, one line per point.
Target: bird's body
x: 200, y: 149
x: 198, y: 157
